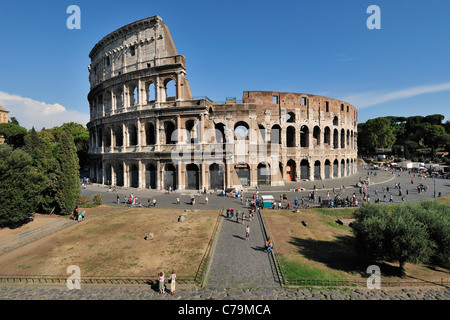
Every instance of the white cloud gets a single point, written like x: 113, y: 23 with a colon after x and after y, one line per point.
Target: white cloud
x: 368, y: 99
x: 31, y: 113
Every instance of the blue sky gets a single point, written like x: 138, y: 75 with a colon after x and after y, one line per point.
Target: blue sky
x: 320, y: 47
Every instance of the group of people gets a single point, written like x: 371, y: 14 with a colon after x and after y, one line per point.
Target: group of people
x: 172, y: 280
x: 78, y: 215
x: 231, y: 213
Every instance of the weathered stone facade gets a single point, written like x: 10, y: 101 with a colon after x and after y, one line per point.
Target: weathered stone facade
x: 142, y: 135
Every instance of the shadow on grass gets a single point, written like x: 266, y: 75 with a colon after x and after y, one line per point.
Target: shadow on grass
x: 340, y: 255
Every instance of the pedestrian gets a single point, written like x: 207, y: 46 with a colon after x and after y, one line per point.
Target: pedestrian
x: 243, y: 216
x: 154, y: 202
x: 118, y: 199
x: 247, y: 233
x: 178, y: 200
x: 206, y: 200
x: 172, y: 278
x: 161, y: 282
x: 75, y: 214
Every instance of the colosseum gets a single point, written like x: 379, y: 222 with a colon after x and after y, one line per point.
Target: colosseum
x: 148, y: 131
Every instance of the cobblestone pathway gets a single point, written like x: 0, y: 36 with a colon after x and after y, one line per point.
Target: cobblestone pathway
x: 238, y: 263
x: 145, y: 292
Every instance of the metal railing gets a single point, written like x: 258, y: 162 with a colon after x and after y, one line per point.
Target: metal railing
x: 201, y: 273
x: 274, y: 259
x: 62, y: 279
x: 362, y: 283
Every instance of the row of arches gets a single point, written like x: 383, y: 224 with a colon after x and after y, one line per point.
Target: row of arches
x: 306, y: 137
x: 164, y: 176
x: 114, y: 136
x: 131, y: 94
x: 123, y: 175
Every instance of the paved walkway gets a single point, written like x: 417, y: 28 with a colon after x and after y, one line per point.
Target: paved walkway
x: 236, y: 262
x: 145, y: 292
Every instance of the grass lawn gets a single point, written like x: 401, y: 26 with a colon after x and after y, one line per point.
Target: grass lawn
x: 324, y: 249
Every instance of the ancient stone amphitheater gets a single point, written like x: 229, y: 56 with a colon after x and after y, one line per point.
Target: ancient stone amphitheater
x: 148, y: 131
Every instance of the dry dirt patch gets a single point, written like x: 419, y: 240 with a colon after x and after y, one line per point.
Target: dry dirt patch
x: 113, y: 245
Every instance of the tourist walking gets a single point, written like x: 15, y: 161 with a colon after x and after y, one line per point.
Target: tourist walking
x: 172, y: 278
x: 161, y: 282
x: 247, y: 233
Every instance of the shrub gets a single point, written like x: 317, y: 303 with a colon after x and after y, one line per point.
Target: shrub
x: 97, y: 199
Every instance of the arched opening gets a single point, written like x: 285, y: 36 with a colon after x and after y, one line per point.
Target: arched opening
x: 220, y: 129
x: 134, y: 96
x: 335, y: 121
x: 243, y: 173
x: 169, y: 90
x: 118, y: 95
x: 132, y: 135
x: 348, y: 167
x: 290, y: 137
x: 290, y: 171
x: 304, y: 169
x: 327, y: 169
x: 134, y: 176
x: 216, y: 179
x: 192, y: 129
x: 192, y: 177
x: 290, y: 117
x: 263, y: 174
x: 241, y: 131
x: 317, y: 170
x: 316, y: 136
x: 108, y: 138
x: 262, y: 133
x: 118, y: 136
x: 348, y: 138
x: 170, y: 176
x: 150, y: 90
x: 327, y: 136
x: 119, y: 175
x: 275, y: 134
x: 169, y: 129
x: 342, y: 168
x: 150, y: 176
x: 149, y: 133
x: 335, y: 168
x: 304, y: 137
x: 335, y: 139
x: 100, y: 137
x: 342, y: 138
x: 108, y: 175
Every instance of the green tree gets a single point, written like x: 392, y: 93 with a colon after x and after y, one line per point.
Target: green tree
x: 436, y: 217
x: 67, y: 183
x: 80, y: 136
x: 13, y: 134
x: 19, y: 186
x: 42, y: 152
x: 377, y: 133
x: 392, y: 234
